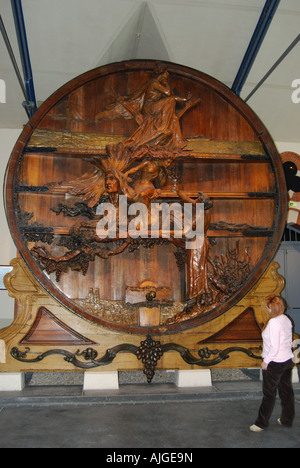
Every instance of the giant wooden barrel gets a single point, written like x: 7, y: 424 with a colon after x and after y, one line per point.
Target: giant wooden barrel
x: 165, y: 133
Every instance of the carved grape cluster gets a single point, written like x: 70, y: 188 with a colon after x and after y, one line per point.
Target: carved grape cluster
x: 149, y: 352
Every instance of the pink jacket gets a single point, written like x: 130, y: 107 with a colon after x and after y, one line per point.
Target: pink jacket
x: 277, y: 340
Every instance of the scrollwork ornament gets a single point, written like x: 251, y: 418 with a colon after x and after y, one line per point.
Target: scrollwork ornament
x: 149, y: 352
x: 89, y: 354
x: 206, y: 353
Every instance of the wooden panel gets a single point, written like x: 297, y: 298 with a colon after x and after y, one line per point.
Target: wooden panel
x: 49, y: 330
x: 245, y: 327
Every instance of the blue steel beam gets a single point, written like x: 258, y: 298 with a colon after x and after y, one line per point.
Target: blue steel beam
x: 13, y: 60
x: 17, y: 10
x: 260, y: 32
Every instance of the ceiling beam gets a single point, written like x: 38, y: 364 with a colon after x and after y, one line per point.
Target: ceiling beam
x: 17, y: 10
x: 276, y: 64
x: 256, y: 41
x: 13, y: 60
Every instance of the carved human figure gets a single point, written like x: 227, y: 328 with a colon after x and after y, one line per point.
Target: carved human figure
x: 144, y: 189
x: 153, y: 107
x: 115, y: 185
x: 197, y: 259
x: 86, y: 230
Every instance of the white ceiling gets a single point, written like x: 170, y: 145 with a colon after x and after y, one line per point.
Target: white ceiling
x: 69, y: 37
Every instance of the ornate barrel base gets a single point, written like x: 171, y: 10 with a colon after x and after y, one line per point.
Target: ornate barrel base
x: 45, y: 336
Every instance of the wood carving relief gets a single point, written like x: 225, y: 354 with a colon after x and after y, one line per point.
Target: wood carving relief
x: 104, y: 161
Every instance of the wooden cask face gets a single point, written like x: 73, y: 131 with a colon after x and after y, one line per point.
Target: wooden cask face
x: 162, y: 141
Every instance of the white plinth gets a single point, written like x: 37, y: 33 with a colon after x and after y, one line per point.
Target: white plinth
x: 295, y: 375
x: 2, y: 352
x: 100, y: 381
x: 193, y: 378
x: 12, y: 381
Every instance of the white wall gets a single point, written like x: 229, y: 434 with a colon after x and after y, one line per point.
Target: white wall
x: 293, y: 147
x: 8, y: 138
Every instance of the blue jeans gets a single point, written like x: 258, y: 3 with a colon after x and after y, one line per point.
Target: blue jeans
x: 278, y: 376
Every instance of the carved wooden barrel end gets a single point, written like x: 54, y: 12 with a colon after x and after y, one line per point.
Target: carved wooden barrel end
x: 156, y: 134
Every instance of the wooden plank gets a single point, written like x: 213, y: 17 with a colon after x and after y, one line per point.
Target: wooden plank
x: 67, y: 142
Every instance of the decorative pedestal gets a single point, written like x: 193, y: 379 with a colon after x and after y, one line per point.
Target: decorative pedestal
x: 45, y: 336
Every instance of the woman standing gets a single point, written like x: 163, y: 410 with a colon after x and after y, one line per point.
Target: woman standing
x: 277, y: 366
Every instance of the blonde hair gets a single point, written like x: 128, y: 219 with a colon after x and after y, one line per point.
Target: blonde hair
x: 277, y: 306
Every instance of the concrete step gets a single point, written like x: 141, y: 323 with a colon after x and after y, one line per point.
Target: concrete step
x: 134, y: 394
